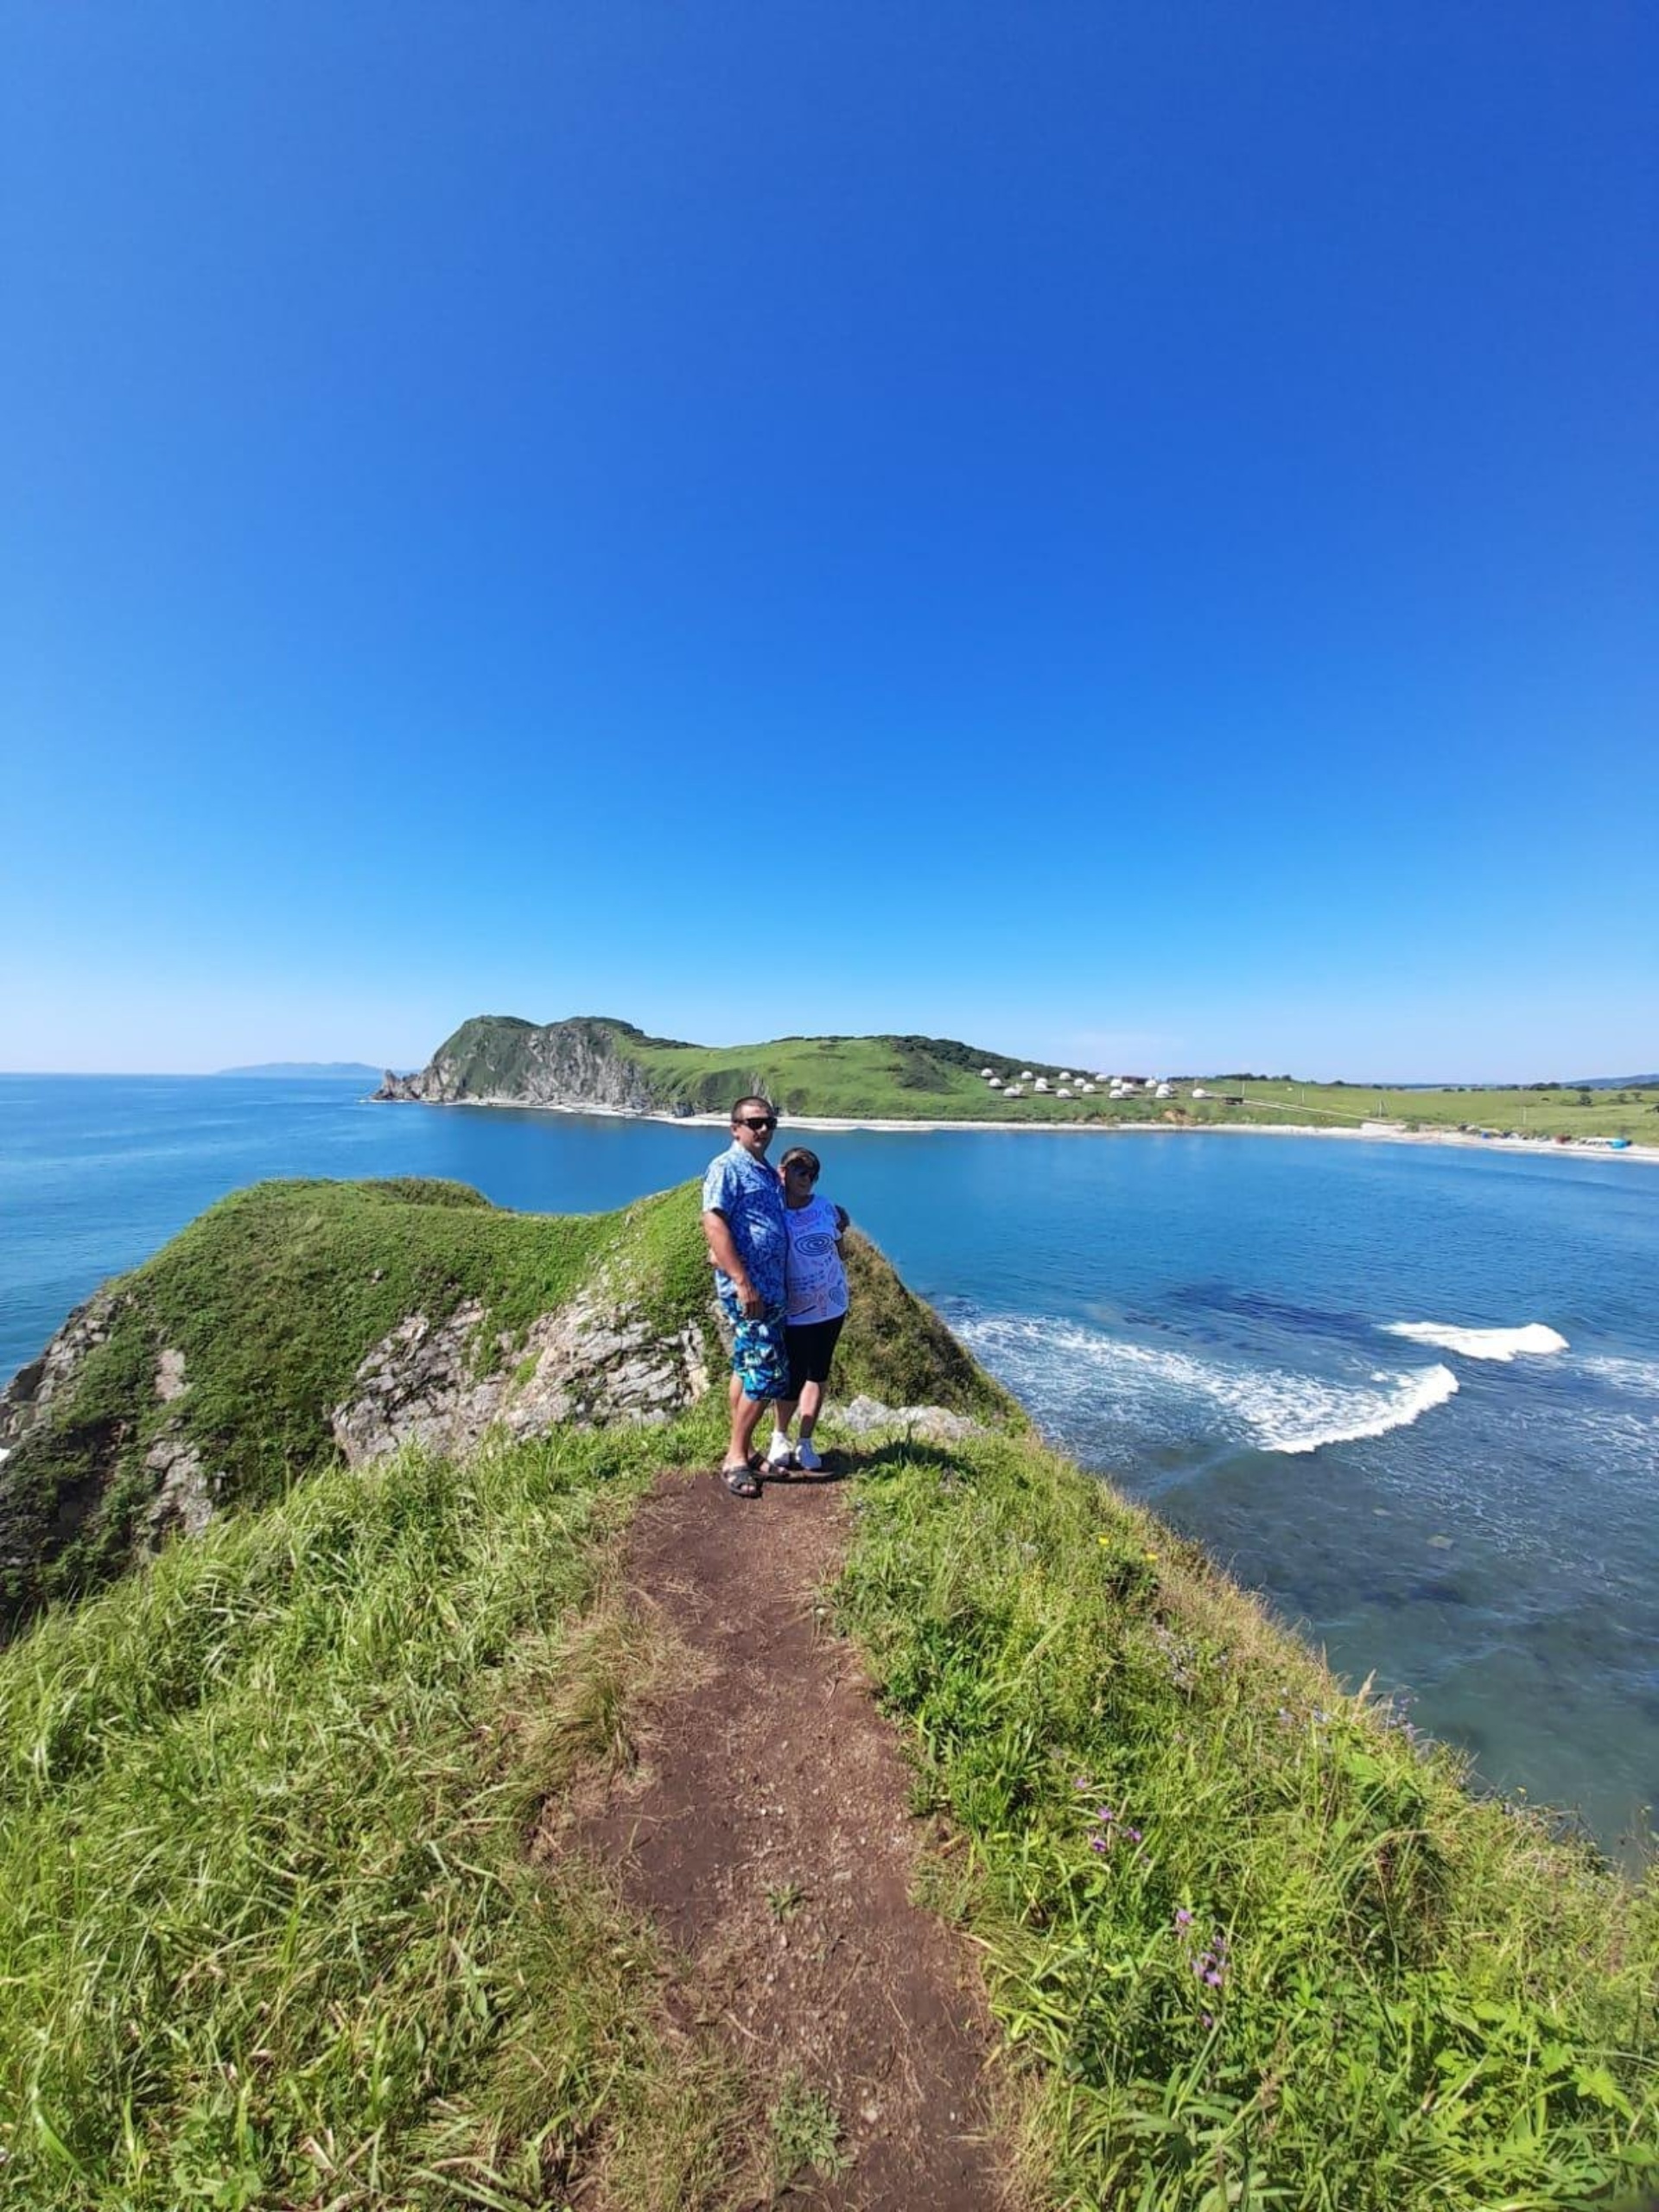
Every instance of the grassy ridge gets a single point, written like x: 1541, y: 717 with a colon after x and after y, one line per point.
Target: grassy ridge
x: 1266, y: 1949
x: 273, y: 1297
x: 268, y: 1934
x: 929, y: 1078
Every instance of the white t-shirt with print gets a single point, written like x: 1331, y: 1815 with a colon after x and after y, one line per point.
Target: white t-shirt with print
x: 814, y: 1278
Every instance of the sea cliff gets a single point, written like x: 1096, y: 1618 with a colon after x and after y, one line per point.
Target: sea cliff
x: 496, y: 1060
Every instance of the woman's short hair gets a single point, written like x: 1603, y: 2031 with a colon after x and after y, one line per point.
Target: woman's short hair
x: 799, y: 1151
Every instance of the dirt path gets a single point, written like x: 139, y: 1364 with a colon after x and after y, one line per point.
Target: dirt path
x: 769, y: 1836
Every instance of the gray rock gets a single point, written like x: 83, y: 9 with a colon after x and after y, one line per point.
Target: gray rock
x: 28, y: 1396
x: 185, y: 1499
x: 935, y: 1424
x: 594, y: 1363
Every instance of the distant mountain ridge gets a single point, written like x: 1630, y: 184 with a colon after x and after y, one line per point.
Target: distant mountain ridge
x: 1613, y: 1083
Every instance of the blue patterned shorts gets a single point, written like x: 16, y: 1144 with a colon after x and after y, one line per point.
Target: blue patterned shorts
x: 759, y: 1357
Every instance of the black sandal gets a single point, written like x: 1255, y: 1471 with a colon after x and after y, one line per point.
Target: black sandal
x: 742, y: 1480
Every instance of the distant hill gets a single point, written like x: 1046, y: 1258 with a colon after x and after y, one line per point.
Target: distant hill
x: 596, y: 1063
x: 594, y: 1060
x: 359, y: 1070
x: 1614, y: 1083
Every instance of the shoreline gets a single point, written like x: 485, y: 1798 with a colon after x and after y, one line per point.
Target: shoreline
x: 1524, y: 1148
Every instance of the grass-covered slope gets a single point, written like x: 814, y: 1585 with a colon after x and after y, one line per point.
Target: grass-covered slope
x: 612, y: 1062
x: 1262, y: 1945
x: 268, y: 1303
x: 270, y: 1935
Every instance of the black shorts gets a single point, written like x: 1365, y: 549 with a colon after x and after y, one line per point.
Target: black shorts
x: 811, y: 1349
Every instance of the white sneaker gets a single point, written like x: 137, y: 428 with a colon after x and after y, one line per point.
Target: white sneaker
x: 806, y: 1457
x: 780, y: 1453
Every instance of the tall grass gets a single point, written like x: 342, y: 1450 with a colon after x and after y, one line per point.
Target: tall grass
x: 268, y: 1933
x: 1262, y: 1946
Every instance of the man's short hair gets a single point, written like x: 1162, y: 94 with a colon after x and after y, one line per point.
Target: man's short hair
x: 754, y: 1098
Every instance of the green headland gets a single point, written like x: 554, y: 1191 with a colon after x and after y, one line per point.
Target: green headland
x: 314, y: 1530
x: 595, y: 1061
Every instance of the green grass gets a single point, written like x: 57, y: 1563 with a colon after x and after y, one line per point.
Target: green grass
x: 271, y: 1934
x: 927, y: 1079
x: 1536, y: 1113
x: 270, y: 1930
x: 1419, y: 2000
x: 805, y: 2136
x: 784, y: 1900
x: 276, y: 1295
x: 268, y: 1934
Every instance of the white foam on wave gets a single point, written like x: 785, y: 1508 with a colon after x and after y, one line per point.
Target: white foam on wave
x: 1640, y: 1376
x: 1268, y: 1406
x: 1533, y: 1341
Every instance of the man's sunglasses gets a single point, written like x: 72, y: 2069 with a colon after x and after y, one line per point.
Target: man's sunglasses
x: 758, y: 1121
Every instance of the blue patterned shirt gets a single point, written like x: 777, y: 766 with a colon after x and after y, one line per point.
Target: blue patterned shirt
x: 751, y: 1197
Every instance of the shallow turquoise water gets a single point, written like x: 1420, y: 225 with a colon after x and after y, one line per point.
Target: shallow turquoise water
x: 1210, y: 1320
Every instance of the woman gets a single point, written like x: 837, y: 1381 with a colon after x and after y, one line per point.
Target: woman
x: 815, y: 1289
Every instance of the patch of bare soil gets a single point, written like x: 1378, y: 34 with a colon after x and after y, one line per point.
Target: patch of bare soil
x: 768, y: 1835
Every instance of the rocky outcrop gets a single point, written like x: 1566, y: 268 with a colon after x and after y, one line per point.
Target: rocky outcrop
x: 592, y: 1363
x: 32, y: 1392
x: 934, y: 1424
x: 186, y: 1493
x: 497, y: 1061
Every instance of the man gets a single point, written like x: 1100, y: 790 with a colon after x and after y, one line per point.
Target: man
x: 743, y: 1220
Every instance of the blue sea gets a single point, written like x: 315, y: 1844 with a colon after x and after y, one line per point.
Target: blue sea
x: 1411, y: 1394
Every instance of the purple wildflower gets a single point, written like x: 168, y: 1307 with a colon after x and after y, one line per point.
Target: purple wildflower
x: 1183, y: 1918
x: 1213, y: 1977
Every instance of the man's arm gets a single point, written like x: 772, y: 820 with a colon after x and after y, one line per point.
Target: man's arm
x: 723, y: 1251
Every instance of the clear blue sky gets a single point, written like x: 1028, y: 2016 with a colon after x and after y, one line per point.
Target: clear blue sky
x: 1127, y: 533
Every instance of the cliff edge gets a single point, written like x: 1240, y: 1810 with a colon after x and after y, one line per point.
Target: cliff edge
x: 298, y: 1323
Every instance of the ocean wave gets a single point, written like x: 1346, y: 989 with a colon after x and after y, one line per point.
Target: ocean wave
x: 1061, y: 1366
x: 1533, y: 1340
x: 1639, y: 1376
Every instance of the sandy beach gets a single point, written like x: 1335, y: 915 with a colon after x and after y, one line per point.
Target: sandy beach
x: 1532, y: 1147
